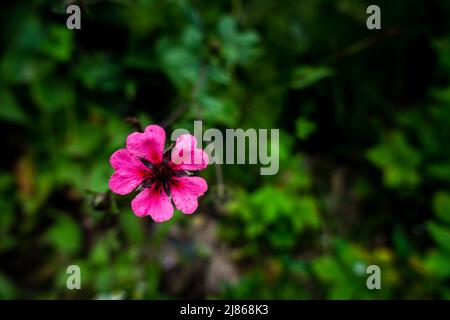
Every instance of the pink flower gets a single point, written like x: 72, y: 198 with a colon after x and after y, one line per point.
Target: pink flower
x: 160, y: 176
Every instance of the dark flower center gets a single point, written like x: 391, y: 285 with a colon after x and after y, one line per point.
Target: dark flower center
x: 162, y: 172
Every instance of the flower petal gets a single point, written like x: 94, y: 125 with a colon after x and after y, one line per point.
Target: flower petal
x: 149, y: 144
x: 153, y: 201
x: 185, y: 191
x: 124, y: 181
x: 186, y: 155
x: 123, y: 159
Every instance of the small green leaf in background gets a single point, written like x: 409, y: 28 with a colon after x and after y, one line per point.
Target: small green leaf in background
x: 132, y: 227
x: 105, y: 245
x: 304, y: 128
x: 238, y: 47
x: 65, y: 235
x: 305, y: 76
x: 218, y: 110
x: 51, y: 95
x: 441, y: 206
x: 99, y: 72
x: 401, y: 242
x: 17, y: 67
x: 328, y: 270
x: 307, y: 214
x: 442, y: 46
x: 437, y: 263
x: 439, y: 171
x: 10, y: 110
x: 99, y: 178
x: 181, y: 57
x: 100, y: 254
x: 440, y: 234
x: 398, y: 160
x: 7, y: 288
x: 58, y: 43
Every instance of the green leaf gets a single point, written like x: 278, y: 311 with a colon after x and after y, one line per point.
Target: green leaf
x: 401, y: 243
x: 181, y: 58
x: 440, y: 234
x: 341, y: 291
x: 238, y: 47
x: 65, y: 235
x: 305, y: 214
x: 437, y: 263
x: 99, y: 177
x: 58, y: 43
x: 132, y: 227
x: 440, y: 171
x: 52, y: 95
x: 18, y: 67
x: 220, y: 111
x: 10, y: 109
x: 304, y: 128
x: 398, y: 160
x: 99, y: 72
x: 441, y: 206
x: 306, y: 76
x: 7, y: 288
x: 328, y: 270
x: 99, y: 255
x: 352, y: 256
x: 271, y: 202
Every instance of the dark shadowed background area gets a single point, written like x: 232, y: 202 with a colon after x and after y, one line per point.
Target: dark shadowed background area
x: 364, y: 119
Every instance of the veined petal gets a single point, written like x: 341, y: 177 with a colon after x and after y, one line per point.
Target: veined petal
x: 185, y: 191
x: 186, y: 155
x: 153, y: 201
x: 149, y: 144
x: 123, y: 159
x: 124, y: 181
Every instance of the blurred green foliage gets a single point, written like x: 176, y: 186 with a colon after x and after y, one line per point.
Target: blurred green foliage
x: 364, y: 119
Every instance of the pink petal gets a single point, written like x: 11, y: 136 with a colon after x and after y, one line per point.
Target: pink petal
x: 124, y: 181
x: 186, y: 155
x: 123, y: 159
x: 185, y: 191
x: 148, y: 145
x: 153, y: 201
